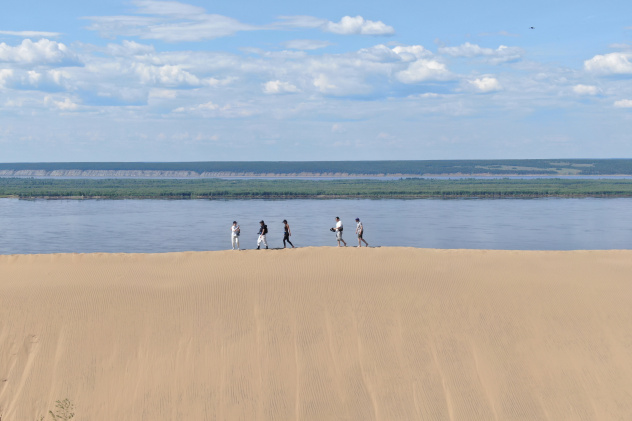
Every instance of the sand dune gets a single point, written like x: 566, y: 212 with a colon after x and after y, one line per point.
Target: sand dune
x: 318, y: 334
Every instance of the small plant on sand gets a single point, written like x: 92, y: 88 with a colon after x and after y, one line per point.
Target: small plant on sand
x: 63, y: 411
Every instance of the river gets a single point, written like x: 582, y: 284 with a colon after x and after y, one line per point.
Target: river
x: 154, y: 226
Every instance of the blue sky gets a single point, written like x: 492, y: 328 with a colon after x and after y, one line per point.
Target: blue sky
x: 144, y: 80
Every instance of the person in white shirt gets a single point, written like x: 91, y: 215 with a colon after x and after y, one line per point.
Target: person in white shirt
x: 234, y: 235
x: 339, y: 232
x: 359, y: 232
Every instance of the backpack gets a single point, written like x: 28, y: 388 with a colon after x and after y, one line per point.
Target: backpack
x: 265, y: 229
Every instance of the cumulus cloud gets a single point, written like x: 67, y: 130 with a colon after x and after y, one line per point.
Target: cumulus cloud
x: 585, y: 89
x: 499, y: 55
x: 411, y: 52
x: 623, y: 103
x: 43, y: 51
x: 348, y: 25
x: 610, y: 64
x: 33, y: 77
x: 58, y: 76
x: 163, y: 93
x: 5, y: 75
x: 358, y: 25
x: 323, y: 84
x: 424, y: 70
x: 279, y: 87
x: 485, y: 84
x: 167, y: 75
x: 65, y: 105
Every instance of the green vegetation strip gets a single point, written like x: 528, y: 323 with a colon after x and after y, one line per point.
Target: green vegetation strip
x: 288, y: 189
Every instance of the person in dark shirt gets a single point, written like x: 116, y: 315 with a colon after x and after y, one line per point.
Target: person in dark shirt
x: 263, y: 230
x: 287, y: 233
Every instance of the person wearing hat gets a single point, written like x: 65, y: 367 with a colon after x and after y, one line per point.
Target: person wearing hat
x: 234, y: 235
x: 263, y: 230
x: 287, y: 233
x: 338, y: 230
x: 359, y: 232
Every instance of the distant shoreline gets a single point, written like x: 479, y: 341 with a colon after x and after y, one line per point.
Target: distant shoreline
x: 284, y: 188
x: 324, y: 169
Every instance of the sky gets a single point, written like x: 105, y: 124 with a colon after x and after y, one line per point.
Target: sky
x: 144, y: 80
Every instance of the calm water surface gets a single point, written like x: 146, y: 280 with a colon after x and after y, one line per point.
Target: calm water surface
x: 150, y: 226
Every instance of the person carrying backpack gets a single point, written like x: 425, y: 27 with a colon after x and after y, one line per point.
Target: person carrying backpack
x: 263, y: 230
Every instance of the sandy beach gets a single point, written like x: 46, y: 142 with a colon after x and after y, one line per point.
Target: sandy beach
x: 318, y: 334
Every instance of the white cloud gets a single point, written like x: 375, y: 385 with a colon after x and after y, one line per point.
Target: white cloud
x: 208, y: 106
x: 424, y: 70
x: 499, y: 55
x: 66, y: 105
x: 585, y: 89
x: 302, y: 21
x: 411, y: 52
x: 34, y: 77
x: 31, y: 34
x: 623, y: 103
x: 358, y: 25
x: 210, y: 109
x: 168, y: 75
x: 163, y: 93
x: 58, y: 76
x: 348, y: 25
x: 43, y: 51
x: 167, y: 8
x: 279, y: 87
x: 306, y: 44
x: 5, y: 75
x: 169, y: 21
x: 323, y: 84
x: 129, y: 48
x: 485, y: 84
x: 338, y: 128
x: 172, y: 21
x: 620, y: 46
x: 610, y: 64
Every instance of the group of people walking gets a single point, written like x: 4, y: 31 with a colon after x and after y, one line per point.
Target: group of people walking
x: 263, y: 231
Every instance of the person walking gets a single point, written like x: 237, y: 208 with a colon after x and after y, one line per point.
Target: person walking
x: 359, y: 231
x: 263, y: 230
x: 287, y: 233
x: 338, y: 230
x: 234, y: 235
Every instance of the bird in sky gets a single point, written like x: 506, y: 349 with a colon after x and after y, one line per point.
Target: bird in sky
x: 532, y: 27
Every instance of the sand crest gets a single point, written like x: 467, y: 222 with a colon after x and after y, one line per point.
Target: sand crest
x: 318, y: 334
